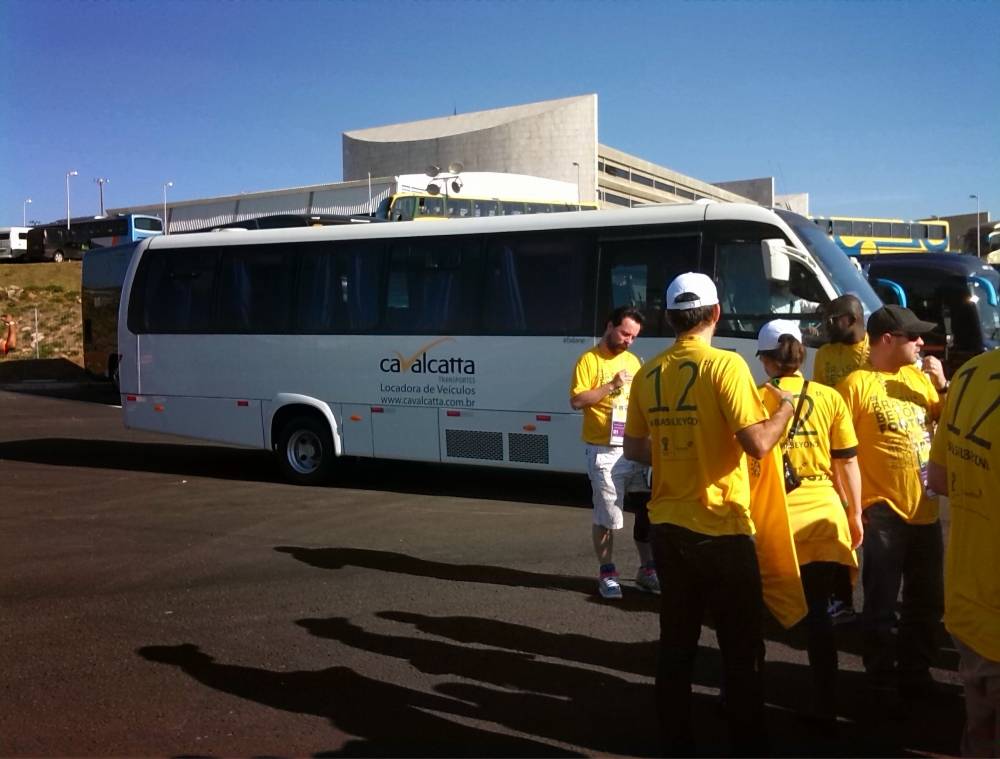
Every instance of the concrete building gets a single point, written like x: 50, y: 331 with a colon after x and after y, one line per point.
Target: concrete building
x: 556, y: 139
x: 553, y: 139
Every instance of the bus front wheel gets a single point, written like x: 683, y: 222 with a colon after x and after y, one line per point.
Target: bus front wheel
x: 305, y: 451
x: 58, y: 257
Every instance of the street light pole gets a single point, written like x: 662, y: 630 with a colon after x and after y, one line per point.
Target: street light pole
x: 579, y: 205
x: 100, y: 183
x: 978, y: 234
x: 24, y: 212
x: 166, y: 229
x: 68, y: 175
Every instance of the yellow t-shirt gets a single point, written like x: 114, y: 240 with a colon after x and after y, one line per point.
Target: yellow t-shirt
x: 968, y: 444
x: 593, y: 369
x: 834, y: 361
x: 690, y: 400
x: 817, y: 517
x: 893, y: 414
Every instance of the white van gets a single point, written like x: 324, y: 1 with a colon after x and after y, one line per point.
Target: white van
x: 13, y: 243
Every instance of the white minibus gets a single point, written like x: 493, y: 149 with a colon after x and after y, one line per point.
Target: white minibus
x: 437, y: 342
x: 13, y: 243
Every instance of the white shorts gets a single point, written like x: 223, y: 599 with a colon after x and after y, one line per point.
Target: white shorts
x: 611, y: 476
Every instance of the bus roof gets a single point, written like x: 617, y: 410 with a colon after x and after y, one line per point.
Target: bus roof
x: 954, y: 263
x: 680, y: 213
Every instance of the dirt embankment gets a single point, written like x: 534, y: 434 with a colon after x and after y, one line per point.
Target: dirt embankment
x: 44, y: 300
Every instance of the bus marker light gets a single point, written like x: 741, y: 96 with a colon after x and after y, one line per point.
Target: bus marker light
x: 130, y: 398
x: 158, y: 407
x: 378, y: 410
x: 454, y: 413
x: 242, y: 403
x: 355, y: 418
x: 529, y: 428
x: 543, y: 418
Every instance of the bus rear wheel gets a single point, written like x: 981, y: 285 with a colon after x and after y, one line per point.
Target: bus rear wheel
x: 305, y: 451
x: 58, y: 257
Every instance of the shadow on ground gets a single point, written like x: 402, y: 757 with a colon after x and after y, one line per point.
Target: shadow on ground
x: 227, y: 463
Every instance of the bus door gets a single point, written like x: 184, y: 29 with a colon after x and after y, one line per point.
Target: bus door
x: 636, y: 270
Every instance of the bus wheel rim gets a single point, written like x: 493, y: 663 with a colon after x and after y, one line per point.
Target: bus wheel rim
x: 304, y: 452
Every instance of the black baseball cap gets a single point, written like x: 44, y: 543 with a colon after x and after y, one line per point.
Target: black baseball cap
x: 896, y: 319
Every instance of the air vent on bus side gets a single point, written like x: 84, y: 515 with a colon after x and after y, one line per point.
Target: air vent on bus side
x: 528, y: 449
x: 470, y: 444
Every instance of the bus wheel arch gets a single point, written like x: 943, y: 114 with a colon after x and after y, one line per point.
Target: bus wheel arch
x: 303, y: 440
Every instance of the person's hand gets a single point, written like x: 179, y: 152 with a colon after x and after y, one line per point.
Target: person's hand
x: 856, y: 525
x: 7, y: 319
x: 932, y: 368
x: 782, y: 395
x: 621, y: 379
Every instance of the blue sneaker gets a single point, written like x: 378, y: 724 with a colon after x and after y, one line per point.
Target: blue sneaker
x: 609, y: 587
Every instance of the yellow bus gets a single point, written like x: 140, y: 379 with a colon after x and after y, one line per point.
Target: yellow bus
x: 470, y: 195
x: 863, y: 236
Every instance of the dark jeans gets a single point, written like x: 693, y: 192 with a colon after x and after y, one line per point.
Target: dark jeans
x: 638, y: 503
x: 718, y: 575
x: 911, y: 555
x: 819, y: 579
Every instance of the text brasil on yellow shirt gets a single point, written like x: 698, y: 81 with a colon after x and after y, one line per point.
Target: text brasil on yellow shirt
x: 892, y: 414
x: 967, y: 443
x: 700, y: 477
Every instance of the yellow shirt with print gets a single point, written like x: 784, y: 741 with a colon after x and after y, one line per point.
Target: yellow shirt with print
x: 593, y: 369
x: 893, y: 413
x: 690, y: 400
x: 968, y: 444
x: 815, y: 513
x: 834, y: 361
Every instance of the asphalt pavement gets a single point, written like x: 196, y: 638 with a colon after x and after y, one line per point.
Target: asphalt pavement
x: 163, y: 597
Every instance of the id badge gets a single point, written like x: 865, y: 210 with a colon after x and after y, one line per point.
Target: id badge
x: 619, y: 411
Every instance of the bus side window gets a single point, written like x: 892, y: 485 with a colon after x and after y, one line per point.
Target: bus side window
x: 335, y: 288
x: 433, y: 286
x: 403, y: 208
x: 254, y: 283
x: 748, y: 298
x: 539, y: 284
x: 176, y: 295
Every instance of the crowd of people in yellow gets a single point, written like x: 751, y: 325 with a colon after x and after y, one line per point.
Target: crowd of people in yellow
x: 762, y: 496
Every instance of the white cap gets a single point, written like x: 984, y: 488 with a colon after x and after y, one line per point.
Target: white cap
x: 691, y: 283
x: 770, y: 333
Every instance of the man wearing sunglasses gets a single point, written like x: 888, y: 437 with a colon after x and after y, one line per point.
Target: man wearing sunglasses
x: 894, y: 401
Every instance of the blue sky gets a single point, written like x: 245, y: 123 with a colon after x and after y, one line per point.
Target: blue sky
x: 880, y: 109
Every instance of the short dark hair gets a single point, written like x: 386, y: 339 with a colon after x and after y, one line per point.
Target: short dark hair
x: 789, y: 354
x: 845, y: 305
x: 683, y: 320
x: 622, y: 313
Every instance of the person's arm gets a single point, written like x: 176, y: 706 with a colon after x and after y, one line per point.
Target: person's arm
x: 637, y: 449
x: 759, y: 438
x: 937, y: 478
x: 848, y: 478
x: 931, y: 366
x: 599, y: 393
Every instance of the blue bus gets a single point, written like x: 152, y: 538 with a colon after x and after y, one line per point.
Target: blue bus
x: 58, y: 241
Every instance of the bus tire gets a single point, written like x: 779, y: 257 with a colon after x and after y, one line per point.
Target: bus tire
x: 114, y: 373
x: 57, y: 257
x: 305, y: 451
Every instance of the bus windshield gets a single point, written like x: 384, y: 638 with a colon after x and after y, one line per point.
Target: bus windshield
x: 844, y: 276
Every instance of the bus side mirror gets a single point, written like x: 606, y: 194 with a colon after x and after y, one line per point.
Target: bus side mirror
x: 777, y: 267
